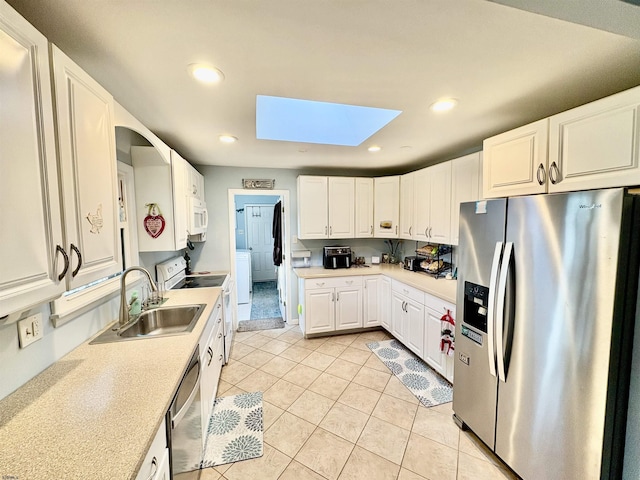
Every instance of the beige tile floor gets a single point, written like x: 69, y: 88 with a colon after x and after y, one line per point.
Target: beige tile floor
x: 332, y: 410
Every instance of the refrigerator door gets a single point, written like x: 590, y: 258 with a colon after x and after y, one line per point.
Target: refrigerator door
x: 558, y: 318
x: 482, y: 227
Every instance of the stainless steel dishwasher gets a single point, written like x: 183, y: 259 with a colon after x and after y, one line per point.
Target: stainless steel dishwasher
x: 184, y: 424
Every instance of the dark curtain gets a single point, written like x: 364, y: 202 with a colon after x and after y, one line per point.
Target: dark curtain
x: 276, y: 233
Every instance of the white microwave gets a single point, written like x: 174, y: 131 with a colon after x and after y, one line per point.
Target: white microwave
x: 198, y: 216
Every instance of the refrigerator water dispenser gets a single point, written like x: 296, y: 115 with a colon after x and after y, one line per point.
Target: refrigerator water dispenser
x: 475, y: 306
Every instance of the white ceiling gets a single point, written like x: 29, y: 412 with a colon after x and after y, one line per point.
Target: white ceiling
x: 506, y: 66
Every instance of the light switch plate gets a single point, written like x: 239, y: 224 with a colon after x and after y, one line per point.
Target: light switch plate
x: 30, y: 329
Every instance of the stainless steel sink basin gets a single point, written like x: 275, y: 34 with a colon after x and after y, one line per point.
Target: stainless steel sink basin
x: 156, y: 322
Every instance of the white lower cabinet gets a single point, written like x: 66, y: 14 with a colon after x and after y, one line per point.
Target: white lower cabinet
x: 416, y: 322
x: 331, y: 304
x: 372, y: 301
x: 155, y: 465
x: 385, y: 302
x: 211, y: 361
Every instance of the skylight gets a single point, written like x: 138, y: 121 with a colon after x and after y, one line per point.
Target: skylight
x: 293, y: 120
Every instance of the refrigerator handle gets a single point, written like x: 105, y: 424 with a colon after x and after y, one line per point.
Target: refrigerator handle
x: 495, y: 264
x: 502, y: 290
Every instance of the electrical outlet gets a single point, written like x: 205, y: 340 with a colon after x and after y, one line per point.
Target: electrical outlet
x: 30, y: 329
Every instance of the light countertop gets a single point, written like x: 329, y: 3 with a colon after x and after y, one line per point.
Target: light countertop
x: 441, y: 288
x: 93, y: 413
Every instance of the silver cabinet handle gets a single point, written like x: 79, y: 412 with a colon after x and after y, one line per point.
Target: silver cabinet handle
x: 154, y: 468
x: 330, y: 230
x: 371, y: 229
x: 338, y: 297
x: 77, y: 269
x: 554, y: 178
x: 325, y: 229
x: 210, y: 352
x: 410, y: 230
x: 540, y: 174
x: 396, y: 229
x: 220, y: 358
x: 348, y: 282
x: 425, y: 232
x: 220, y: 335
x: 319, y: 284
x: 430, y: 229
x: 66, y: 262
x: 220, y: 320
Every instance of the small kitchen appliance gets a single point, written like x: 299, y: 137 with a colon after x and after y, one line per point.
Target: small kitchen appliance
x: 336, y: 257
x: 171, y: 274
x: 412, y: 263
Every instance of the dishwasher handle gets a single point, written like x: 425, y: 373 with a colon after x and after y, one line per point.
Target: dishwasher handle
x: 175, y: 420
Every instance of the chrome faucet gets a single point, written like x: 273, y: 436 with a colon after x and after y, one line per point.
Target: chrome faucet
x: 124, y: 305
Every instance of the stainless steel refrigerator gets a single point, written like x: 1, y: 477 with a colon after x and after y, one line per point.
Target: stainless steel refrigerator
x: 547, y: 294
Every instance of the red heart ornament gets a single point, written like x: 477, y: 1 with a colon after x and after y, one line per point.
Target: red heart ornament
x: 154, y: 225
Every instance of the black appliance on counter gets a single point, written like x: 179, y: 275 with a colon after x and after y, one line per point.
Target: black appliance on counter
x: 412, y: 263
x: 336, y: 257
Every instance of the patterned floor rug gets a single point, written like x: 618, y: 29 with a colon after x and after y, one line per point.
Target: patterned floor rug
x: 235, y: 430
x: 428, y: 387
x: 261, y: 324
x: 264, y: 301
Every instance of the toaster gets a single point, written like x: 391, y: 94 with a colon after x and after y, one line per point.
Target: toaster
x: 412, y: 263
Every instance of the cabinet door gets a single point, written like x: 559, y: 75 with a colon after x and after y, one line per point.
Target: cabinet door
x: 195, y: 183
x: 86, y: 139
x: 341, y: 207
x: 29, y: 203
x: 415, y: 328
x: 372, y: 302
x: 348, y: 308
x: 465, y: 187
x: 596, y: 145
x: 179, y: 174
x: 312, y: 207
x: 432, y: 354
x: 422, y: 209
x: 440, y: 203
x: 398, y: 316
x: 515, y: 162
x: 386, y: 209
x: 320, y: 314
x: 364, y: 207
x: 406, y: 205
x: 385, y: 303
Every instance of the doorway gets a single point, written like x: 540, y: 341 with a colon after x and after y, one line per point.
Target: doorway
x: 262, y: 287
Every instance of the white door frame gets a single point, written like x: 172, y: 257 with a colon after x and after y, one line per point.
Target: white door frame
x: 286, y: 254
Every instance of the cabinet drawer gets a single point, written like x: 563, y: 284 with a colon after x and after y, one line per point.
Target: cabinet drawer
x: 332, y: 282
x: 438, y: 305
x: 410, y: 292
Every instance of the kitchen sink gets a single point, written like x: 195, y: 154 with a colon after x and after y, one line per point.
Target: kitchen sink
x: 154, y: 323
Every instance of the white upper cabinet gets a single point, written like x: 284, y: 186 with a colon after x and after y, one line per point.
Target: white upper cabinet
x: 440, y: 203
x: 465, y: 187
x: 313, y: 207
x: 515, y: 162
x: 596, y: 145
x: 195, y: 183
x: 87, y: 157
x: 326, y: 207
x: 161, y: 200
x: 29, y: 201
x: 341, y: 207
x: 406, y: 205
x: 364, y: 207
x: 432, y: 203
x: 386, y: 207
x: 422, y: 207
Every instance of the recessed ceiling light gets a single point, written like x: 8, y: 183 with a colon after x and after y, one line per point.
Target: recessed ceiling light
x: 444, y: 105
x: 228, y: 139
x: 374, y: 148
x: 206, y: 73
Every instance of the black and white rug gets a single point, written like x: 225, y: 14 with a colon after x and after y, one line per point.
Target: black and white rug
x: 264, y: 300
x: 429, y: 388
x: 235, y: 430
